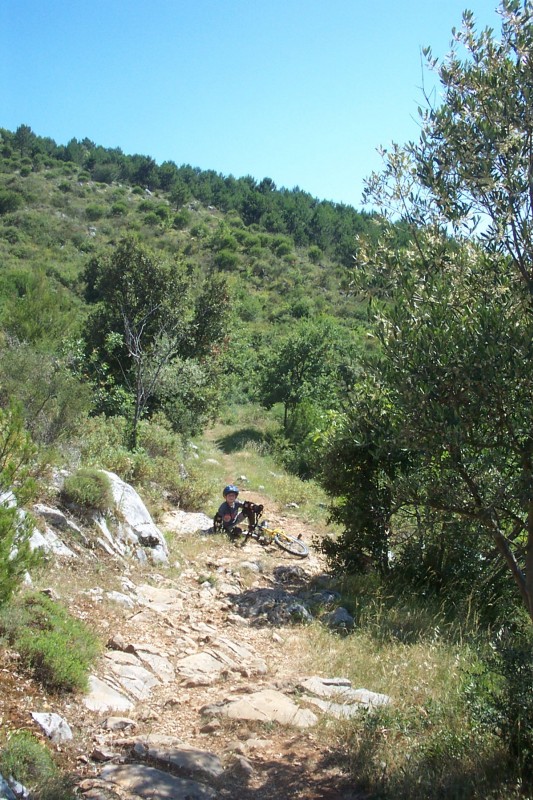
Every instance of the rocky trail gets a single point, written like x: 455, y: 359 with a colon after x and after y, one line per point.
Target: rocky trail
x: 198, y: 693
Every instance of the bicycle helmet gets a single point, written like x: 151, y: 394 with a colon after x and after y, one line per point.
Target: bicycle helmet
x: 230, y: 488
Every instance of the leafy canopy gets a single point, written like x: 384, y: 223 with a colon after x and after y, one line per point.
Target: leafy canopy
x: 453, y: 316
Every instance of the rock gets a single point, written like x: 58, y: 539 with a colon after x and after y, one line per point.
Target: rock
x: 292, y: 574
x: 211, y: 727
x: 343, y: 701
x: 160, y: 666
x: 187, y: 761
x: 164, y: 601
x: 236, y: 619
x: 134, y: 521
x: 154, y: 784
x: 339, y: 619
x: 101, y: 754
x: 51, y: 593
x: 268, y: 705
x: 55, y: 727
x: 102, y: 697
x: 201, y: 669
x: 5, y: 791
x: 184, y: 522
x: 206, y: 667
x: 327, y: 687
x: 50, y: 542
x: 53, y: 516
x: 118, y: 723
x: 117, y: 642
x: 134, y: 678
x: 242, y: 766
x: 121, y: 599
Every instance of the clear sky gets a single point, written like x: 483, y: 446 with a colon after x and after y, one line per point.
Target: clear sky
x: 300, y: 91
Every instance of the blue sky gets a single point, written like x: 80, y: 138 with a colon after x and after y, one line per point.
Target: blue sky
x: 300, y: 91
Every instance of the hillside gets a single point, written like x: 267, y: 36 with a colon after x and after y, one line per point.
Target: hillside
x: 291, y: 260
x: 182, y: 329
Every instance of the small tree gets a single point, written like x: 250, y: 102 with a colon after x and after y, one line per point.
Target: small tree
x: 300, y: 367
x: 145, y: 318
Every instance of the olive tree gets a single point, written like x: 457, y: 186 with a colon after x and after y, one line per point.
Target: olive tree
x: 456, y: 328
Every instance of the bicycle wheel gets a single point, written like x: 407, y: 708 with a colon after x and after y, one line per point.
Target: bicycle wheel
x: 291, y: 544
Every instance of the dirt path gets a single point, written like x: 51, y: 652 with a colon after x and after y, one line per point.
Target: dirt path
x: 220, y: 591
x: 261, y: 760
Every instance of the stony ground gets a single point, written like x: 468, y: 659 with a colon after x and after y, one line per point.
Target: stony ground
x: 206, y: 607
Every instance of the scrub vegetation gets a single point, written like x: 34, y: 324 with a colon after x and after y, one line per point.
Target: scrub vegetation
x: 374, y: 369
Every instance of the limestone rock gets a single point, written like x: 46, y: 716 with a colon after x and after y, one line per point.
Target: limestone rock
x: 55, y: 727
x: 154, y: 784
x: 268, y: 705
x: 102, y: 697
x: 167, y: 751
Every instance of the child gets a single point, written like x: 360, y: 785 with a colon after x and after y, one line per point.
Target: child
x: 229, y: 511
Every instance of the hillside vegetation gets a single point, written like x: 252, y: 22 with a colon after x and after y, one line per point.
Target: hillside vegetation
x: 148, y: 311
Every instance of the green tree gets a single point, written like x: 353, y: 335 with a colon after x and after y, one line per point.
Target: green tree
x: 25, y: 140
x: 300, y: 367
x: 145, y: 318
x: 457, y: 334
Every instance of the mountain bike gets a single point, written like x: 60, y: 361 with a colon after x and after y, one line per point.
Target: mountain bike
x: 263, y: 532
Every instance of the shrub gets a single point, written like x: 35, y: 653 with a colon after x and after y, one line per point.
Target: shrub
x: 119, y: 209
x: 58, y: 648
x: 315, y: 254
x: 227, y: 260
x: 26, y: 760
x: 16, y: 459
x: 163, y: 212
x: 9, y: 201
x: 95, y: 211
x: 182, y: 219
x: 281, y: 246
x: 53, y: 399
x: 151, y: 218
x: 89, y: 488
x: 500, y: 694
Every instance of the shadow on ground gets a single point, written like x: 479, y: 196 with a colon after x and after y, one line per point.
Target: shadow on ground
x: 239, y: 439
x: 294, y: 598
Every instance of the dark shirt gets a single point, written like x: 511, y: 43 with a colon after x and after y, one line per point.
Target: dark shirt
x: 233, y: 510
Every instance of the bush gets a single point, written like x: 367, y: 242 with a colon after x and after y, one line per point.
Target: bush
x: 182, y: 219
x: 89, y: 488
x: 9, y: 201
x: 16, y: 459
x: 151, y: 218
x: 53, y: 399
x: 119, y: 209
x: 315, y: 254
x: 56, y: 647
x: 501, y: 695
x: 95, y: 211
x: 26, y: 760
x: 227, y: 260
